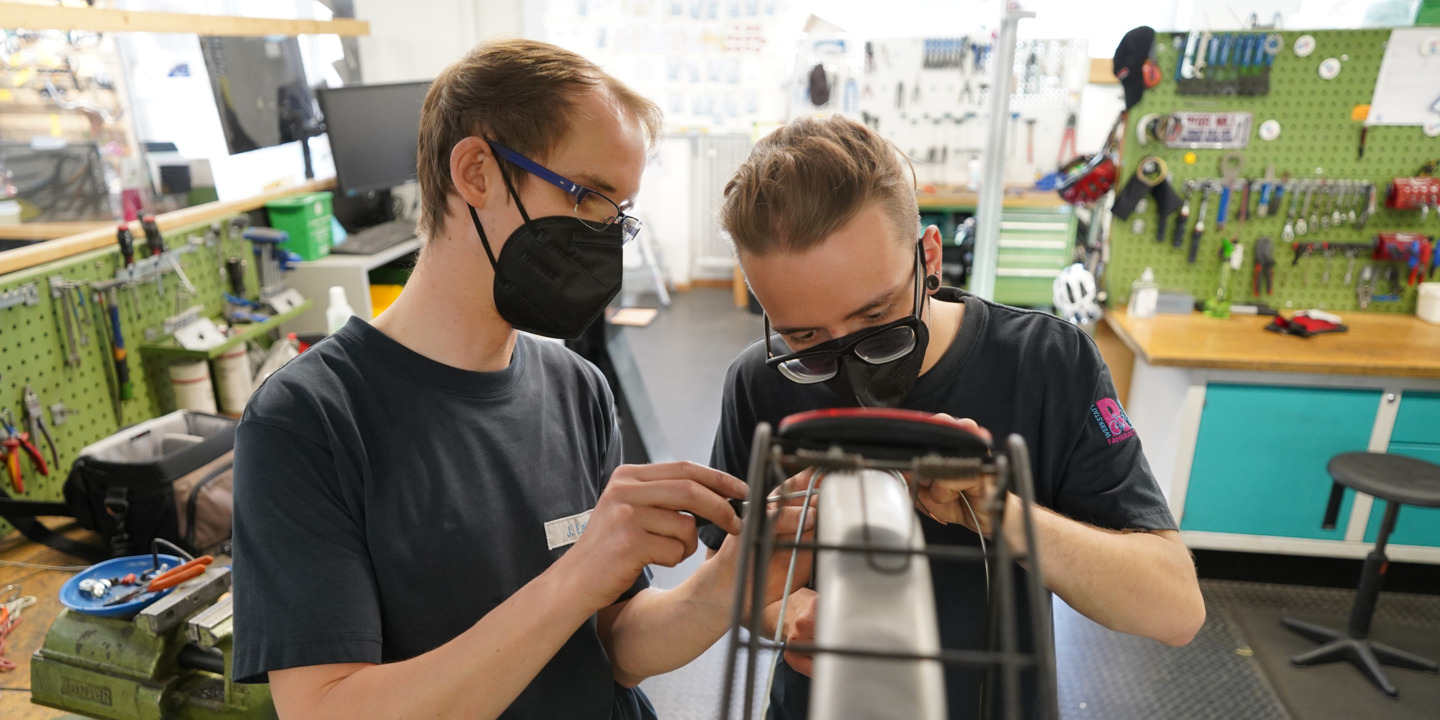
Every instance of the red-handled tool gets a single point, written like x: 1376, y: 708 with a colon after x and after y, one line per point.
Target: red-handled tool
x: 168, y: 579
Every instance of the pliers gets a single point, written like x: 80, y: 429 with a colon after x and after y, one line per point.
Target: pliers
x: 12, y: 442
x: 36, y: 416
x: 1264, y: 266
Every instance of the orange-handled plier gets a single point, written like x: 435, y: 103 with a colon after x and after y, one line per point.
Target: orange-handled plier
x: 168, y: 579
x: 13, y: 441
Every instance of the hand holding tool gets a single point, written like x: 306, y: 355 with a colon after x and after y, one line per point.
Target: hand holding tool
x: 36, y: 417
x: 168, y: 579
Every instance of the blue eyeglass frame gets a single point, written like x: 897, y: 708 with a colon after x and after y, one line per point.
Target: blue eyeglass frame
x: 575, y: 190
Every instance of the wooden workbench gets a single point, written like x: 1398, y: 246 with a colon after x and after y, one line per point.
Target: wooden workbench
x: 35, y: 621
x: 1239, y: 424
x: 1377, y: 344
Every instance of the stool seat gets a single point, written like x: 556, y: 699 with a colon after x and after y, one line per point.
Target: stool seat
x: 1396, y: 478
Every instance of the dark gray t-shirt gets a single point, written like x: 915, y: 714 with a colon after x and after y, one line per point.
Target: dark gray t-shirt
x: 385, y: 502
x: 1012, y: 371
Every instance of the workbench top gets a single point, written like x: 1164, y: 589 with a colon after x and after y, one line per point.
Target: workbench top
x: 1378, y: 344
x: 951, y: 198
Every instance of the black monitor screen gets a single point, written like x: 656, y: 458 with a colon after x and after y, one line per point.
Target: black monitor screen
x: 373, y: 130
x: 260, y: 90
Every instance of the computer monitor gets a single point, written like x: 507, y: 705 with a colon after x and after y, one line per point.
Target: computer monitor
x: 260, y: 90
x: 373, y: 130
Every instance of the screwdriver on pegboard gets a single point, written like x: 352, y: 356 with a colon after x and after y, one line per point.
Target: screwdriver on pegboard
x: 127, y: 255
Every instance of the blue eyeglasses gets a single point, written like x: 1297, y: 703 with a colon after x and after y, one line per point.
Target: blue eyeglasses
x: 592, y: 208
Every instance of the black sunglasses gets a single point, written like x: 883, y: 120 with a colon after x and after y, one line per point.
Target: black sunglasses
x: 877, y: 346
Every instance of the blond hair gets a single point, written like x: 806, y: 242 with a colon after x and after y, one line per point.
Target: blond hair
x: 519, y: 93
x: 808, y: 179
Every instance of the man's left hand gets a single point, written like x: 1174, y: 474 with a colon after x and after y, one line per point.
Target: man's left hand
x: 942, y: 499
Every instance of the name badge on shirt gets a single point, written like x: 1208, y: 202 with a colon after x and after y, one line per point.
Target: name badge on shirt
x: 566, y: 530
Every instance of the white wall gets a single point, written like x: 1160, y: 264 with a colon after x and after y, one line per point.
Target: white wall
x: 416, y: 40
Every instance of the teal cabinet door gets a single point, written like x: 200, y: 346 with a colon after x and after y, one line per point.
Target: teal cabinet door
x: 1418, y: 420
x: 1414, y: 525
x: 1260, y: 458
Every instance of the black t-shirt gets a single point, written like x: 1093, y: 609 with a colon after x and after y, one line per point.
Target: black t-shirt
x: 385, y: 502
x: 1012, y: 371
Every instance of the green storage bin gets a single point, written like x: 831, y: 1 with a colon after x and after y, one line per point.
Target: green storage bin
x: 306, y: 219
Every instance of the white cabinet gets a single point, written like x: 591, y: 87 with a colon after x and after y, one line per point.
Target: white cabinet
x: 314, y: 278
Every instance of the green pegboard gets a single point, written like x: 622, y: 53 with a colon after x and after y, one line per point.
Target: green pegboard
x: 1318, y: 140
x: 34, y: 354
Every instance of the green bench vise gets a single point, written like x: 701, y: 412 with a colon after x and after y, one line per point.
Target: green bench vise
x: 170, y: 662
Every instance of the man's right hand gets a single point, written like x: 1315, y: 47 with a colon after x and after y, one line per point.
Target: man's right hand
x: 800, y: 629
x: 641, y: 520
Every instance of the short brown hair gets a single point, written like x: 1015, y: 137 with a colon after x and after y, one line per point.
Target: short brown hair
x: 519, y: 93
x: 809, y: 178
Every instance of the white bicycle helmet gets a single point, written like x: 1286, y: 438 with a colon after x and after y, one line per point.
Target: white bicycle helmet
x: 1075, y: 295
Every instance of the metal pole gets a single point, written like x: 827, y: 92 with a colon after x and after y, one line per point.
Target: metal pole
x: 992, y: 188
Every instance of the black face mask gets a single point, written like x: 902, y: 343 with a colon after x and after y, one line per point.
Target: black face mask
x: 555, y: 275
x: 884, y: 386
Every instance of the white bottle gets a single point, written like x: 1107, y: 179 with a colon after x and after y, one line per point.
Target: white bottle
x: 1144, y: 295
x: 339, y: 311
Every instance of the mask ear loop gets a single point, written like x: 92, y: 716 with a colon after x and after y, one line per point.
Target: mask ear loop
x: 518, y: 205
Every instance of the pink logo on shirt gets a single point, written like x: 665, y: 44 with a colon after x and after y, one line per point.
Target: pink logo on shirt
x: 1113, y: 422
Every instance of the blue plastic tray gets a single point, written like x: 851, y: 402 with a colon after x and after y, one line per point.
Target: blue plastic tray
x: 71, y: 597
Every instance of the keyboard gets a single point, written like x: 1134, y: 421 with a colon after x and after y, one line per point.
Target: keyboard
x: 375, y: 239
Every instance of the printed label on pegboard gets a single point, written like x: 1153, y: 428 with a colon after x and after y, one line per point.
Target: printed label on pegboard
x: 1210, y: 130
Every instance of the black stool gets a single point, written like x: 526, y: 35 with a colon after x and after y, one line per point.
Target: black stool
x: 1398, y: 481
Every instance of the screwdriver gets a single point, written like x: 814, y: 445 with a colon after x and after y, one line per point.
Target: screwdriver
x: 122, y: 366
x: 156, y: 241
x: 127, y: 253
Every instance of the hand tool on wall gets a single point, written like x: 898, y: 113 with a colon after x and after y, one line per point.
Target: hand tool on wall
x: 1264, y: 267
x: 35, y: 416
x: 166, y: 580
x: 1199, y: 232
x: 14, y: 442
x: 1329, y: 254
x: 1287, y: 233
x: 156, y: 242
x: 1267, y: 190
x: 1285, y: 186
x: 122, y: 365
x: 60, y: 291
x: 1230, y: 166
x: 1178, y: 238
x: 1350, y: 254
x: 1315, y: 214
x: 1067, y: 140
x: 1302, y: 225
x: 1363, y: 290
x: 126, y: 241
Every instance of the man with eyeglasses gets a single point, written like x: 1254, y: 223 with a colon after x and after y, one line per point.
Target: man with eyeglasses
x: 431, y: 517
x: 826, y: 228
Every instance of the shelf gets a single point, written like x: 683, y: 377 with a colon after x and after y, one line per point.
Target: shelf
x: 54, y: 17
x: 366, y: 262
x: 104, y: 237
x: 168, y: 348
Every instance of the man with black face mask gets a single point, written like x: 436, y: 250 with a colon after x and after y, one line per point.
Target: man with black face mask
x: 824, y: 220
x: 431, y: 517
